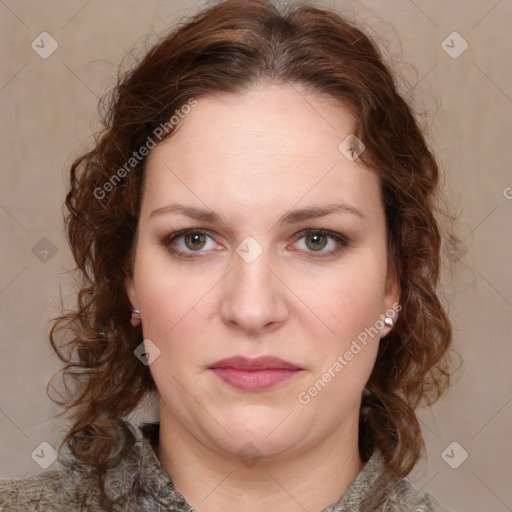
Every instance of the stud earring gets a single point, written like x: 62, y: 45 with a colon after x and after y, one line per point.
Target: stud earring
x: 135, y: 319
x: 388, y: 321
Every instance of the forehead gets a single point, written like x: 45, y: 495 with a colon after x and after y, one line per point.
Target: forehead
x: 282, y: 120
x: 257, y: 147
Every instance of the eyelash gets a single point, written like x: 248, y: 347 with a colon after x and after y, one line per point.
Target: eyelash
x: 340, y: 239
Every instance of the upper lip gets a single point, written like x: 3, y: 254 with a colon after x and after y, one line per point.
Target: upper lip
x: 254, y: 363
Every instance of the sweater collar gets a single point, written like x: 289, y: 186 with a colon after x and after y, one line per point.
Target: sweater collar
x: 140, y: 473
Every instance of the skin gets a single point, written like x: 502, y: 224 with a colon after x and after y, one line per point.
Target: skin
x: 253, y: 158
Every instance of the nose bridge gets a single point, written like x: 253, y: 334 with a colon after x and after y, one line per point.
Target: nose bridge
x: 253, y: 298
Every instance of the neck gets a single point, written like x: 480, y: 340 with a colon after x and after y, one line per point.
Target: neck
x: 212, y: 482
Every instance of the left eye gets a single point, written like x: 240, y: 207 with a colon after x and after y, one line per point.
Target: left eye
x: 321, y: 241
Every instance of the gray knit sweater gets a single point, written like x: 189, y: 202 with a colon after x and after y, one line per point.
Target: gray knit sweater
x: 138, y: 483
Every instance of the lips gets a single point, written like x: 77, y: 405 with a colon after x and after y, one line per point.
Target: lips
x: 253, y: 374
x: 255, y: 363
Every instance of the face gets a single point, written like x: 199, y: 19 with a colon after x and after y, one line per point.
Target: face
x: 261, y: 273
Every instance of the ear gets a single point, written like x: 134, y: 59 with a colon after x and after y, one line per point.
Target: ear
x: 391, y: 301
x: 129, y: 287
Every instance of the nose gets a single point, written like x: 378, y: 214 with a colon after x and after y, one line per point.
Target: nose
x: 254, y: 299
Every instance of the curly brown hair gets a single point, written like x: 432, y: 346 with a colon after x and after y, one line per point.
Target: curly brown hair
x: 229, y: 48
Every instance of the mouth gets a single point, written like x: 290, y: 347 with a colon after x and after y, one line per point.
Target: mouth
x: 254, y: 374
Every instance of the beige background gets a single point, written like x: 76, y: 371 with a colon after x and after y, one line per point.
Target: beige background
x: 48, y: 111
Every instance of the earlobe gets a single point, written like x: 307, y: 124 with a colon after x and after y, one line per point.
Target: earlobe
x: 135, y: 319
x: 388, y: 319
x: 391, y: 303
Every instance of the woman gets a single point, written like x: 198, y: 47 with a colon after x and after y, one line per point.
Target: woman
x: 256, y: 232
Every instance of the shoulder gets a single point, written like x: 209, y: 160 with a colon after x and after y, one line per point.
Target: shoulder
x: 378, y: 489
x: 394, y: 494
x: 49, y: 491
x: 404, y: 497
x: 135, y: 480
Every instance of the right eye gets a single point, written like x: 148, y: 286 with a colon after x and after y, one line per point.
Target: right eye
x: 186, y: 242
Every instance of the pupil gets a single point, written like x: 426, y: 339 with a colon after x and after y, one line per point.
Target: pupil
x: 318, y: 239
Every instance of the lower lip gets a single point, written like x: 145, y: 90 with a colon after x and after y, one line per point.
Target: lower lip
x: 254, y: 380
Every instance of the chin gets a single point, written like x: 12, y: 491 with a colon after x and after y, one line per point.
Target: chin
x: 259, y: 431
x: 256, y: 445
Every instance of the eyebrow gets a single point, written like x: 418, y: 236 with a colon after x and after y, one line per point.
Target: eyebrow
x: 291, y: 217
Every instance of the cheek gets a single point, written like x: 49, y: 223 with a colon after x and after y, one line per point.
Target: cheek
x: 171, y: 305
x: 344, y: 358
x: 349, y: 300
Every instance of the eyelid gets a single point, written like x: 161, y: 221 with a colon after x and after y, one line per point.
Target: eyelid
x: 322, y: 231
